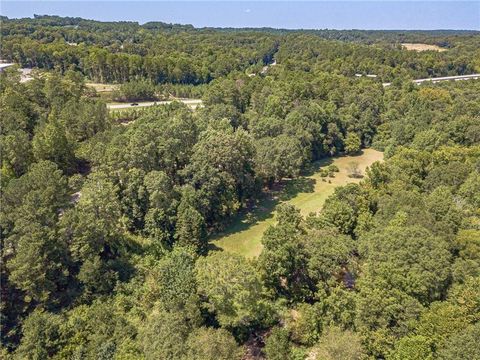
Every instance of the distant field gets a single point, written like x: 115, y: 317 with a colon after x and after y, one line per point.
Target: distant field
x: 308, y: 193
x: 422, y: 47
x: 102, y: 87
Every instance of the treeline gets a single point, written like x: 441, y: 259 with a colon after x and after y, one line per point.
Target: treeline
x: 129, y: 52
x: 387, y: 61
x: 126, y: 51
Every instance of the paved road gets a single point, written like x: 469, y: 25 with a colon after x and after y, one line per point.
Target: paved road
x: 193, y: 103
x: 444, y: 78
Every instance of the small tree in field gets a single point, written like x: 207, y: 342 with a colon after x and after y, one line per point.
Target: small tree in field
x: 353, y: 170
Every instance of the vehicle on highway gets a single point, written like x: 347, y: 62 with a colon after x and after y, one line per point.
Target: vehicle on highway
x: 134, y: 104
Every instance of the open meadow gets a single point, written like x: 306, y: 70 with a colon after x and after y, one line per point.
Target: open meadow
x: 308, y: 193
x: 422, y: 47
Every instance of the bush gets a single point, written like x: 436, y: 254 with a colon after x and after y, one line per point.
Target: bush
x: 277, y: 345
x: 324, y: 173
x: 333, y: 168
x: 353, y: 170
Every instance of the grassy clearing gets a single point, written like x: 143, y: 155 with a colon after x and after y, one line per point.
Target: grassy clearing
x: 308, y: 193
x: 422, y: 47
x: 102, y: 88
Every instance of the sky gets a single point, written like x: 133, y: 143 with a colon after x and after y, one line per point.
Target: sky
x: 389, y: 15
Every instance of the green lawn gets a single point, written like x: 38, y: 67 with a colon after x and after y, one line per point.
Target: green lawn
x: 308, y: 193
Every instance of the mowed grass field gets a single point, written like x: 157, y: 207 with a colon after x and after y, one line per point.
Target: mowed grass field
x: 308, y: 193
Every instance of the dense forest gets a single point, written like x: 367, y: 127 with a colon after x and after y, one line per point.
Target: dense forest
x: 106, y: 227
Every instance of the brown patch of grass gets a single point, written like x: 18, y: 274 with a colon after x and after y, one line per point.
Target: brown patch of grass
x: 422, y: 47
x: 102, y: 87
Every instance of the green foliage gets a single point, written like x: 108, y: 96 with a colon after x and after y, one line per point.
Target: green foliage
x: 337, y: 344
x: 416, y: 347
x: 94, y: 331
x: 342, y: 209
x: 352, y: 143
x: 41, y: 336
x: 171, y: 283
x: 165, y: 335
x: 468, y: 261
x: 190, y: 228
x: 51, y: 143
x: 305, y: 324
x: 283, y: 258
x: 409, y: 259
x: 138, y: 90
x: 329, y: 254
x: 277, y: 345
x: 30, y: 206
x: 232, y: 290
x: 383, y: 316
x: 333, y: 168
x: 208, y: 343
x: 279, y: 157
x: 463, y: 345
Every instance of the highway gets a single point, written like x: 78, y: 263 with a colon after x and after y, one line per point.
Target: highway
x: 193, y: 103
x: 443, y: 78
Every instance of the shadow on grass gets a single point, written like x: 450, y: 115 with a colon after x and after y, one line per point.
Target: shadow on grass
x: 245, y: 219
x: 293, y: 187
x: 314, y: 167
x: 264, y: 209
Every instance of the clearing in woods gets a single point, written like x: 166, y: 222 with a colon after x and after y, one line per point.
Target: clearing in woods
x: 308, y: 193
x: 102, y: 88
x: 422, y: 47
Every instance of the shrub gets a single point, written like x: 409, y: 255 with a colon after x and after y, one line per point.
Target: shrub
x: 333, y: 168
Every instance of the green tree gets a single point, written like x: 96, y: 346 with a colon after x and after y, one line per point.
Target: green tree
x: 38, y: 259
x: 92, y: 230
x: 135, y: 91
x: 94, y: 331
x: 352, y: 143
x: 16, y: 152
x: 413, y: 347
x: 383, y: 316
x: 161, y: 206
x: 336, y: 344
x: 171, y: 283
x: 463, y: 345
x: 329, y: 254
x: 232, y: 289
x: 85, y: 118
x: 277, y: 345
x: 305, y: 324
x: 41, y: 336
x: 279, y: 157
x: 208, y: 343
x: 409, y: 259
x: 164, y: 335
x: 190, y: 228
x: 51, y: 143
x: 283, y: 258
